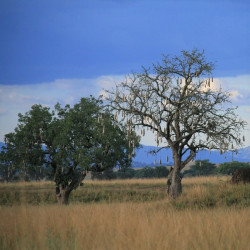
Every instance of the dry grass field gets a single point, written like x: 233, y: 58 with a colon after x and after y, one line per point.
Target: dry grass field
x: 211, y: 214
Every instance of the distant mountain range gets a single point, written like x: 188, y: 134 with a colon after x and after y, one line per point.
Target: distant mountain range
x: 144, y: 158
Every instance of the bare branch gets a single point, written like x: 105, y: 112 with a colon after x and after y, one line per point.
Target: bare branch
x: 177, y: 101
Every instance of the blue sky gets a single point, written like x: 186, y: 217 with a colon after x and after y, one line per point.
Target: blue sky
x: 61, y: 50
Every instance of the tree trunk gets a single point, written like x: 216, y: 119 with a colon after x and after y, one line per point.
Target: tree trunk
x: 63, y: 190
x: 175, y: 188
x: 62, y: 195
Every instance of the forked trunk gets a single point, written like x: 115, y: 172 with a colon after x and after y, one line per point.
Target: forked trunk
x: 62, y: 195
x: 63, y: 190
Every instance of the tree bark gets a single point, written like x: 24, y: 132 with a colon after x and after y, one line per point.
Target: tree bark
x: 62, y: 195
x: 63, y: 191
x: 175, y: 188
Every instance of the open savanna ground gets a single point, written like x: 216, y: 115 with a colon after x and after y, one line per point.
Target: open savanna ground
x: 131, y: 214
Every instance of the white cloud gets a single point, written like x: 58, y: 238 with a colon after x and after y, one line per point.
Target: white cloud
x: 16, y: 99
x: 238, y: 87
x: 106, y: 82
x: 104, y: 94
x: 236, y: 82
x: 234, y: 95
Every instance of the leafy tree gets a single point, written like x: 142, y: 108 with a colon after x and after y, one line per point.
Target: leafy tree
x: 161, y: 172
x: 107, y: 174
x: 201, y: 168
x: 228, y: 168
x: 7, y: 168
x: 126, y: 173
x: 129, y: 173
x: 70, y: 141
x: 37, y: 172
x: 146, y: 172
x: 12, y: 160
x: 177, y: 100
x: 149, y: 172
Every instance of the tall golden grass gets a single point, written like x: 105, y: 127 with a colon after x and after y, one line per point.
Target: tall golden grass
x: 192, y: 180
x: 123, y: 226
x: 159, y: 224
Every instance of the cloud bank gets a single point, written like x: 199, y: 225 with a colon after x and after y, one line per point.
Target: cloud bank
x: 16, y: 99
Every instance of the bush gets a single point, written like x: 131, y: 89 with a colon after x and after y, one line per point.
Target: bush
x: 241, y: 175
x: 228, y: 168
x: 201, y: 168
x: 161, y: 172
x: 126, y: 173
x: 129, y: 173
x: 148, y: 172
x: 108, y: 174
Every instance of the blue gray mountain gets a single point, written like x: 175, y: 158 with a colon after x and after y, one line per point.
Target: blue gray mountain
x: 145, y: 158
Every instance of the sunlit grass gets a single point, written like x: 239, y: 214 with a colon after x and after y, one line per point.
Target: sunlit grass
x: 126, y: 214
x: 197, y: 192
x: 191, y: 180
x: 123, y: 226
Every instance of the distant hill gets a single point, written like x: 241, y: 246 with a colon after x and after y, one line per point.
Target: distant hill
x: 144, y: 158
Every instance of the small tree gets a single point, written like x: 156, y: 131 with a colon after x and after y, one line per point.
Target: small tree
x: 145, y: 172
x: 201, y: 168
x: 7, y: 168
x: 178, y: 102
x: 228, y: 168
x: 126, y: 173
x: 161, y: 172
x: 107, y: 174
x: 70, y: 142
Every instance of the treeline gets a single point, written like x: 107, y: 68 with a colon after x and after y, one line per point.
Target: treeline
x: 129, y: 173
x: 9, y: 173
x: 42, y: 173
x: 200, y: 168
x: 205, y: 168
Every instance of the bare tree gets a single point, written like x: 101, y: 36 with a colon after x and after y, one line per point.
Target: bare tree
x: 177, y: 100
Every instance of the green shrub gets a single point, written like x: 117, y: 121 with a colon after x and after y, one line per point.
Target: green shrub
x: 228, y: 168
x: 201, y: 168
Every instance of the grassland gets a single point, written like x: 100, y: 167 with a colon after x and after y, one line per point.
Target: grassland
x: 131, y: 214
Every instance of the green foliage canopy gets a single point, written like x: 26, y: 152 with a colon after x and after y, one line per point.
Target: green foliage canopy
x: 70, y: 141
x: 229, y: 168
x: 201, y: 168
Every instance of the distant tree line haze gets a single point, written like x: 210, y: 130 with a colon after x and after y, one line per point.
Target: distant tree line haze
x: 178, y: 101
x: 129, y: 173
x: 199, y: 168
x: 206, y: 168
